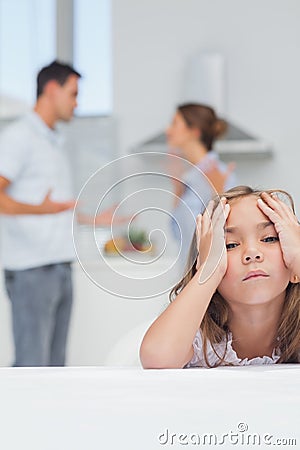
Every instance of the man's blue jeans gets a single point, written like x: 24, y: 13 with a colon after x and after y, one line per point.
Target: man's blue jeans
x: 41, y: 300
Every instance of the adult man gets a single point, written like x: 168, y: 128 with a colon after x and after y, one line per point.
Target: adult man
x: 36, y: 203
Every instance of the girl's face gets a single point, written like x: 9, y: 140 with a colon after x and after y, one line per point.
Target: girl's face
x: 256, y: 272
x: 179, y: 133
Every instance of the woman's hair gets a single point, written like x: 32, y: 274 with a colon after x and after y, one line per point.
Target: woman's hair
x: 204, y: 118
x: 214, y: 325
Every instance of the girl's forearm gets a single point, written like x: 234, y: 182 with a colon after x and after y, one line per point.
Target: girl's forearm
x: 168, y: 342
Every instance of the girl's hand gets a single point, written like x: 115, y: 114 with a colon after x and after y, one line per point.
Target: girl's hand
x: 212, y: 255
x: 287, y: 227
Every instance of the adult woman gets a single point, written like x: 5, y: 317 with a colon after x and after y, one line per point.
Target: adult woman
x: 191, y: 134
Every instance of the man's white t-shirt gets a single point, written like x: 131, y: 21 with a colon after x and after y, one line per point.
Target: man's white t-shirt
x: 32, y: 159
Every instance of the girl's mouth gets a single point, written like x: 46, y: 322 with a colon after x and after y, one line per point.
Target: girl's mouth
x: 255, y: 274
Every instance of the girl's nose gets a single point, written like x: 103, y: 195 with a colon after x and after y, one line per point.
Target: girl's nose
x: 252, y: 255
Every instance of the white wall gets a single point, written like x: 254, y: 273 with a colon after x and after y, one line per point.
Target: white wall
x: 260, y: 40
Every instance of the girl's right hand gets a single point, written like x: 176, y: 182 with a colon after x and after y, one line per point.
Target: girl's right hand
x: 212, y: 254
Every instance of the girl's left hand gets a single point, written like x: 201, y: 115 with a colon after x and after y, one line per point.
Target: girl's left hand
x: 287, y: 227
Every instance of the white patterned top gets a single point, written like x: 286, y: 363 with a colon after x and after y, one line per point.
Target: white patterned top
x: 231, y: 357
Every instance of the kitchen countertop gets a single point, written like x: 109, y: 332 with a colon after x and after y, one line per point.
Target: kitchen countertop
x: 133, y: 409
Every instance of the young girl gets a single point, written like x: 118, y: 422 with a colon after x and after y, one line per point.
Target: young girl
x: 239, y: 304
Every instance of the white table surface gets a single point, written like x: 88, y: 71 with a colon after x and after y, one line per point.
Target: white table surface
x: 133, y: 409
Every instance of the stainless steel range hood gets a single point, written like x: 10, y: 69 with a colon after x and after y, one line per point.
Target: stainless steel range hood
x: 234, y: 143
x: 204, y: 81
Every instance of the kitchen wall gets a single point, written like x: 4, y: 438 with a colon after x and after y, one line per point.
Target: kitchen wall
x: 152, y: 40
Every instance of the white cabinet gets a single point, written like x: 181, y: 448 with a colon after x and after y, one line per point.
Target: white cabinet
x: 99, y: 319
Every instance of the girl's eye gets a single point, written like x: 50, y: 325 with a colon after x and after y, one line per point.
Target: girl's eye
x: 271, y: 239
x: 231, y: 245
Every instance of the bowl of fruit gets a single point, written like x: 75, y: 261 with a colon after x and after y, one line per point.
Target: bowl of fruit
x: 136, y: 241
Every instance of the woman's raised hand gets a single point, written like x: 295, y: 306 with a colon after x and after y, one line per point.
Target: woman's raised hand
x: 287, y: 227
x: 212, y: 255
x: 217, y: 177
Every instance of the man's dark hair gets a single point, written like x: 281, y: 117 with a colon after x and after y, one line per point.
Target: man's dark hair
x: 57, y: 71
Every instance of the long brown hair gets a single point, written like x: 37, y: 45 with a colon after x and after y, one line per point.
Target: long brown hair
x: 214, y: 325
x: 203, y: 118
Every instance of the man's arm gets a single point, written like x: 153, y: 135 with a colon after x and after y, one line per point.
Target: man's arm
x: 10, y: 206
x: 106, y: 218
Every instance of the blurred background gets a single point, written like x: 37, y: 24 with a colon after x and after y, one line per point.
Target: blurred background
x: 134, y: 57
x: 139, y: 59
